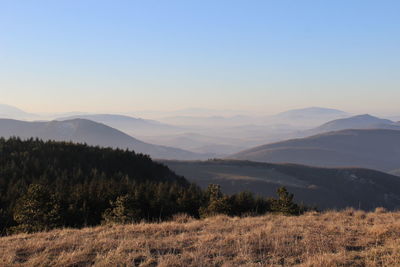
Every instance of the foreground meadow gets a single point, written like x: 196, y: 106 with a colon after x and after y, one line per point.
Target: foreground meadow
x: 346, y: 238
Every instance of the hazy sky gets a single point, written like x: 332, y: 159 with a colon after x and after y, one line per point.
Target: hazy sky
x: 269, y: 56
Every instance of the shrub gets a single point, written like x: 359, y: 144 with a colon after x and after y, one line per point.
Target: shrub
x: 123, y: 210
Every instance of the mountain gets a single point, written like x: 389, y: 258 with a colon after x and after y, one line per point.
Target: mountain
x: 311, y: 112
x: 304, y: 117
x: 365, y: 121
x: 311, y: 116
x: 327, y: 188
x: 91, y: 133
x: 12, y: 112
x: 127, y: 124
x: 375, y: 148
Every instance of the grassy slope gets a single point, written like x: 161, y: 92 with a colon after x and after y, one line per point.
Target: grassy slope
x: 347, y: 238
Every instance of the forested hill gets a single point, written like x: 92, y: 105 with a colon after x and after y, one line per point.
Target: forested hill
x: 45, y: 185
x: 54, y: 162
x: 83, y: 179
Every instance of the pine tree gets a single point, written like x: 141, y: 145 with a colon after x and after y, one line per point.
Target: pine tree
x: 123, y: 210
x: 218, y: 203
x: 243, y: 203
x: 284, y: 203
x: 36, y: 210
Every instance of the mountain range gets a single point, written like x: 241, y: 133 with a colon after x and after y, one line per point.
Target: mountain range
x: 341, y: 149
x: 91, y: 133
x: 220, y: 136
x: 130, y: 125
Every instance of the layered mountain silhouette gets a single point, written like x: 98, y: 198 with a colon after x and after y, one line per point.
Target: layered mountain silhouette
x: 308, y: 116
x: 311, y: 112
x: 327, y: 188
x: 199, y: 143
x: 374, y: 148
x: 127, y: 124
x: 91, y: 133
x: 365, y: 121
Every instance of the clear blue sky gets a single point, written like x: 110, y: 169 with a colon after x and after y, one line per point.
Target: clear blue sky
x: 269, y: 56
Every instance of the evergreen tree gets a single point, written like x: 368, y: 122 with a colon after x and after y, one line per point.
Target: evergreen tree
x: 217, y: 203
x: 243, y: 203
x: 37, y: 210
x: 284, y: 203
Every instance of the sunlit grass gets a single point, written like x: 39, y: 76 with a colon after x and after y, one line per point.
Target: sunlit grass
x: 346, y: 238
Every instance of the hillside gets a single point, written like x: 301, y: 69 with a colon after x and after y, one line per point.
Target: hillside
x: 322, y: 187
x: 91, y: 133
x: 347, y: 238
x: 373, y: 149
x: 49, y: 184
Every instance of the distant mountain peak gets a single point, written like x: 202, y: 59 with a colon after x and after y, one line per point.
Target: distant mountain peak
x: 12, y: 112
x: 364, y: 116
x: 363, y: 121
x: 312, y: 110
x: 8, y: 107
x: 307, y: 117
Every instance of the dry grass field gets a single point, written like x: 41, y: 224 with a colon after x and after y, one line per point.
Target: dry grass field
x: 346, y: 238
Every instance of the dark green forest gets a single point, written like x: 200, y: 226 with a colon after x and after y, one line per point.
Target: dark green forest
x: 45, y: 185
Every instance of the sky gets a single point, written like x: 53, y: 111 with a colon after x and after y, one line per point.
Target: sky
x: 261, y: 56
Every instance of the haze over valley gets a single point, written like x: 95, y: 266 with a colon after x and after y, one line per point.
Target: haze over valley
x: 318, y: 137
x: 200, y: 133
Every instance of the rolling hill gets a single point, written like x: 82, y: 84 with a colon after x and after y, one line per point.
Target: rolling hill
x: 365, y: 121
x: 91, y: 133
x: 327, y: 188
x: 375, y: 149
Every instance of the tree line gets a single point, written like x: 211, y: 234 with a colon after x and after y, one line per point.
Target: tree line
x: 45, y: 185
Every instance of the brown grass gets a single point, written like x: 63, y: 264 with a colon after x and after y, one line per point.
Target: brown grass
x: 346, y: 238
